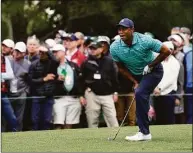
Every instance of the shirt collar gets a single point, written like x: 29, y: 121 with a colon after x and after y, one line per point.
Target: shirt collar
x: 134, y: 41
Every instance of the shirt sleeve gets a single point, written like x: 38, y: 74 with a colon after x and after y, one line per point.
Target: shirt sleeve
x: 8, y: 75
x: 153, y: 44
x: 113, y: 51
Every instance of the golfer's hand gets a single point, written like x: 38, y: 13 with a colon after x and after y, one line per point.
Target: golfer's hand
x: 82, y: 101
x: 147, y: 70
x: 115, y: 97
x: 177, y: 102
x: 135, y: 85
x: 156, y: 91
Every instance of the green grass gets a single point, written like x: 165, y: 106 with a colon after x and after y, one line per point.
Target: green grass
x: 173, y: 138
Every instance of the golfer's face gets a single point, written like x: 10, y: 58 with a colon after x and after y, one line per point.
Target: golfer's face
x: 125, y: 33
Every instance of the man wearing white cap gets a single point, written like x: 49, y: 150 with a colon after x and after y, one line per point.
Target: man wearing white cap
x: 105, y: 41
x: 19, y: 85
x: 164, y: 101
x: 6, y: 76
x: 66, y: 109
x: 7, y: 48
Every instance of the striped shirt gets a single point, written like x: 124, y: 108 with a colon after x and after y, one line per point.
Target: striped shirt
x: 136, y: 56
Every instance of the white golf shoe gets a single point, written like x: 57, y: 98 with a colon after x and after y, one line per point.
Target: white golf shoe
x: 139, y: 137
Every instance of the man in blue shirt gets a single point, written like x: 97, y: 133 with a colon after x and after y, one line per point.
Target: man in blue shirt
x: 134, y: 57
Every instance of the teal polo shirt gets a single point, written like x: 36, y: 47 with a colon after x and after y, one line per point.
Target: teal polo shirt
x: 136, y: 56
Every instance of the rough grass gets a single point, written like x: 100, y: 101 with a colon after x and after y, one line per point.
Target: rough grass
x: 173, y: 138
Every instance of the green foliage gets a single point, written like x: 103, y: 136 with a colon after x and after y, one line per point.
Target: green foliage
x: 157, y: 17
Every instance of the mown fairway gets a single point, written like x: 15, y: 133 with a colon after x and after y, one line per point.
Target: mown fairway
x: 173, y: 138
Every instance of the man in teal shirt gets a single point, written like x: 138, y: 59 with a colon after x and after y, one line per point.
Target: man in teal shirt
x: 134, y: 57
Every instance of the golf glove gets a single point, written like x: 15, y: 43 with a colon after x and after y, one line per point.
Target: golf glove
x: 147, y: 70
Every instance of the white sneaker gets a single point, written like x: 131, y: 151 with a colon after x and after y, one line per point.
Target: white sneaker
x: 139, y: 137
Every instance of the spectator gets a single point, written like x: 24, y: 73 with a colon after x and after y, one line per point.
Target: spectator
x: 105, y: 41
x: 188, y: 86
x: 175, y: 30
x: 164, y: 100
x: 72, y: 53
x: 19, y: 85
x: 43, y: 75
x: 98, y: 71
x: 67, y: 107
x: 7, y: 48
x: 50, y: 43
x: 80, y: 41
x: 7, y: 74
x: 188, y: 45
x: 32, y: 48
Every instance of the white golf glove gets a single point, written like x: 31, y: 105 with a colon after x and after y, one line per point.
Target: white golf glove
x: 146, y: 70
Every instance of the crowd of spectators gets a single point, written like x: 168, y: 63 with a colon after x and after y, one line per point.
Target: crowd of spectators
x: 71, y: 81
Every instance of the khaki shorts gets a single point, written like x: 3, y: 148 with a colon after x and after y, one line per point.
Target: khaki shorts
x: 66, y: 110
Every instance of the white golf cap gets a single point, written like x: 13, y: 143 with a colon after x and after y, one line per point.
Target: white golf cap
x: 169, y: 45
x: 58, y: 47
x: 104, y: 38
x: 116, y: 37
x: 9, y: 43
x: 50, y: 43
x: 176, y: 37
x: 20, y: 46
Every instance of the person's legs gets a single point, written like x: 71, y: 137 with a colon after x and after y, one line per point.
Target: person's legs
x: 7, y: 113
x: 59, y: 112
x: 36, y: 105
x: 47, y: 108
x: 109, y: 111
x: 120, y: 108
x: 92, y: 110
x: 188, y: 102
x: 142, y: 95
x: 73, y: 112
x: 19, y: 106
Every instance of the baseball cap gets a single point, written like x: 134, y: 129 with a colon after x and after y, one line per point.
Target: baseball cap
x: 126, y: 23
x: 79, y: 35
x: 95, y: 45
x: 185, y: 30
x: 20, y: 46
x: 58, y: 47
x: 9, y: 43
x: 72, y: 37
x: 177, y: 38
x: 169, y: 45
x: 50, y: 43
x: 104, y: 39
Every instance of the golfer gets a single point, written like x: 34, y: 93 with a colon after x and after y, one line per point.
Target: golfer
x: 134, y: 57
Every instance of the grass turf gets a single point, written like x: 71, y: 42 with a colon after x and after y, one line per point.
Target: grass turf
x: 167, y: 138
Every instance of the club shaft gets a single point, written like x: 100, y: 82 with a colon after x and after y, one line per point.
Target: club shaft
x: 124, y: 118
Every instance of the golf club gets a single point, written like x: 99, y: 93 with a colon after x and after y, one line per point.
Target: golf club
x: 110, y: 138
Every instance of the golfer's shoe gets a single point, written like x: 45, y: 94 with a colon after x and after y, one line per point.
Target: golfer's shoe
x: 139, y: 137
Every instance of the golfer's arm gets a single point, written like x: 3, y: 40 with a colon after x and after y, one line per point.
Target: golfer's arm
x: 164, y: 53
x: 125, y: 72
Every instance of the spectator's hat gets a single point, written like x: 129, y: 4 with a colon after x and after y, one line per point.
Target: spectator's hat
x: 185, y: 30
x: 20, y: 46
x: 79, y: 35
x: 116, y: 37
x: 9, y: 43
x: 72, y: 37
x: 177, y: 38
x: 58, y: 47
x: 125, y: 22
x: 95, y: 45
x: 104, y: 39
x: 149, y: 34
x: 169, y: 45
x: 50, y: 43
